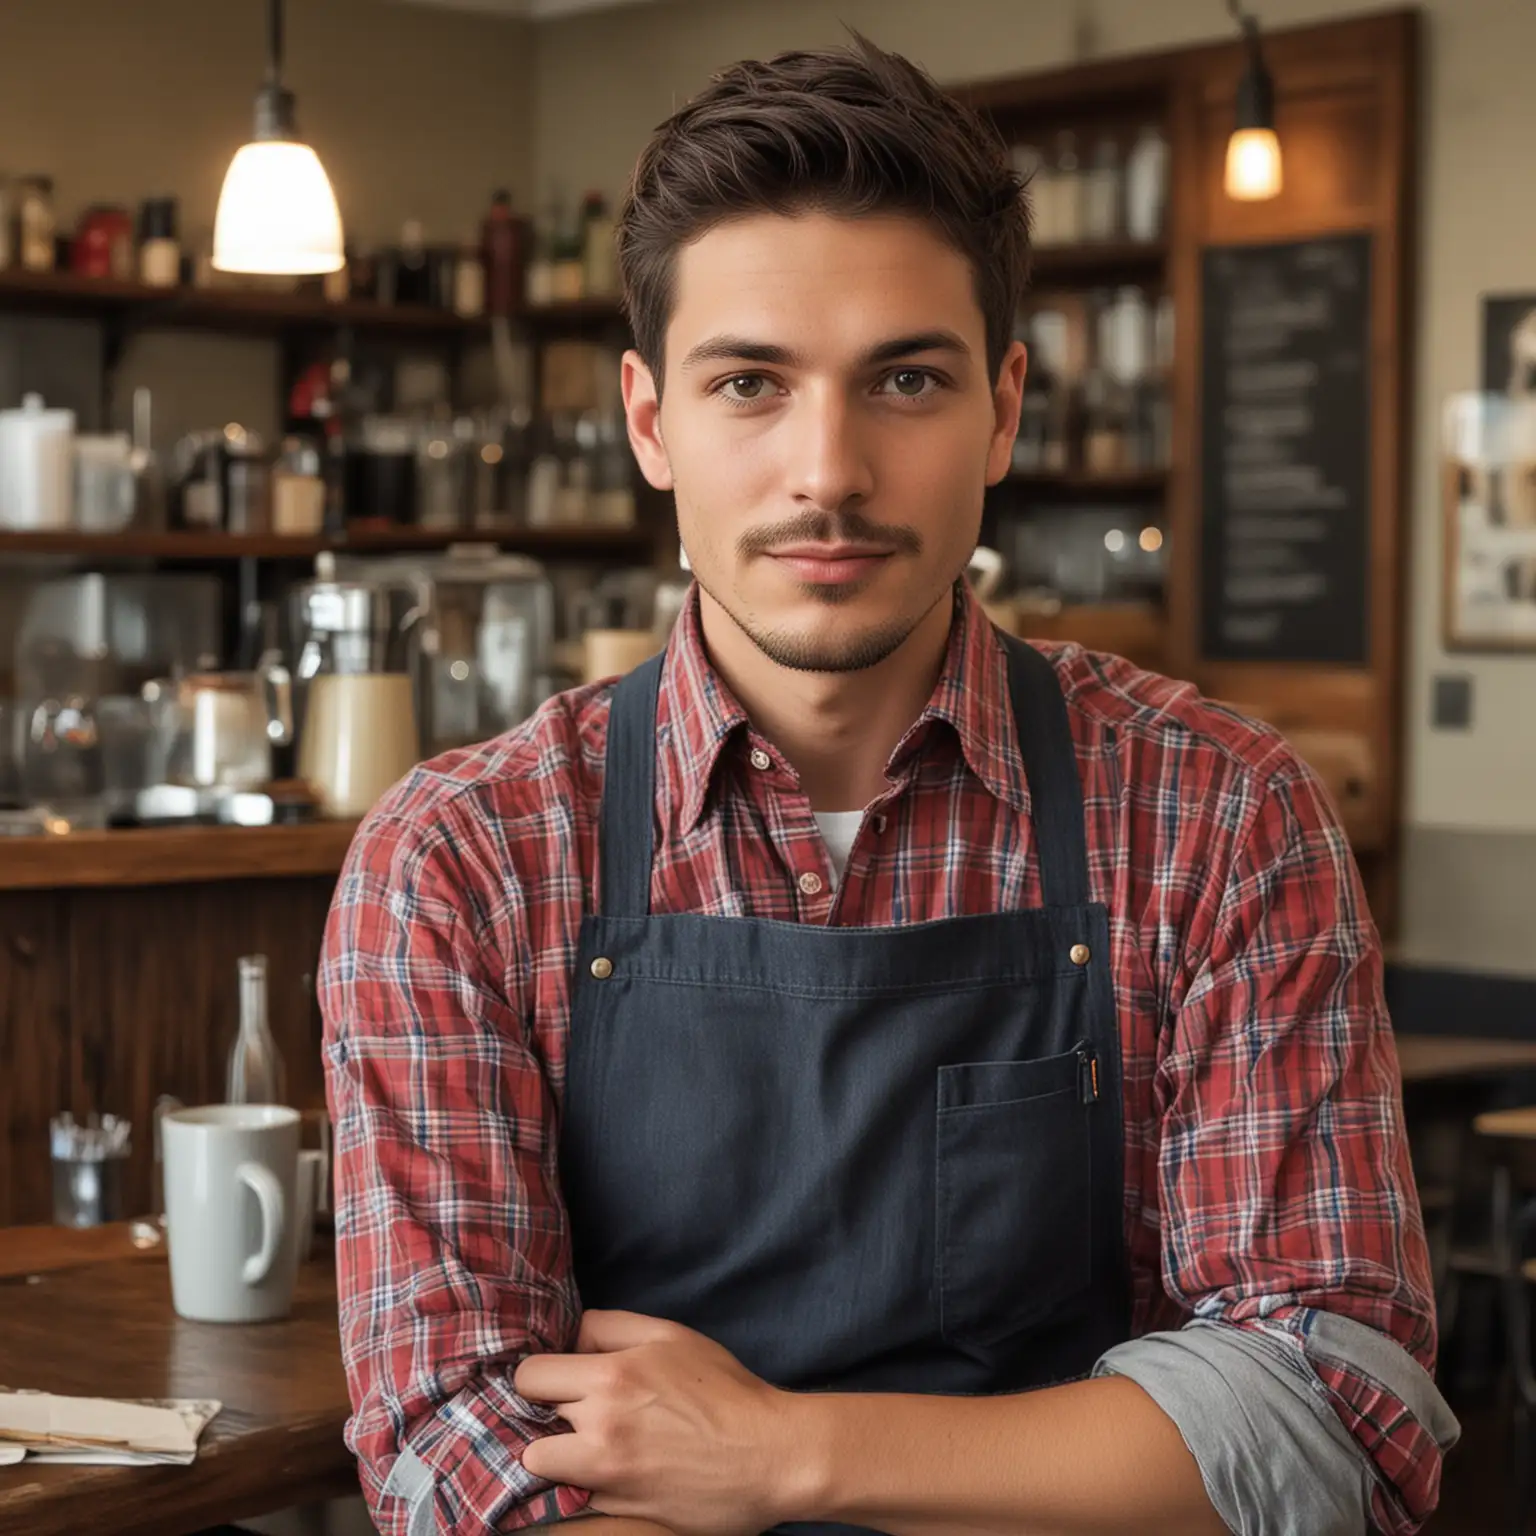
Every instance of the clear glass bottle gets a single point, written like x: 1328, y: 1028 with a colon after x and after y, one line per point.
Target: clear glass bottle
x: 255, y: 1073
x: 1068, y: 198
x: 1146, y: 185
x: 1103, y: 193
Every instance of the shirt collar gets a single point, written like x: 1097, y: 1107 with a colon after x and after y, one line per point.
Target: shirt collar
x: 971, y: 697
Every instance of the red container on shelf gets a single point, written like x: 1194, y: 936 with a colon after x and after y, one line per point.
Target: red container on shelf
x: 103, y: 244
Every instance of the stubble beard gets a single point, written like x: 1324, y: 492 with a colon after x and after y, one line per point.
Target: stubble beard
x: 806, y: 653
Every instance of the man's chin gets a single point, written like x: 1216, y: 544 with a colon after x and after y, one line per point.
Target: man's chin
x: 821, y: 648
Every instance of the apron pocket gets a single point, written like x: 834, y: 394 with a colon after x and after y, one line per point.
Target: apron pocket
x: 1013, y: 1195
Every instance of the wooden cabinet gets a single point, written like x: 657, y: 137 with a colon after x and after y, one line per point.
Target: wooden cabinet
x: 34, y: 1046
x: 1346, y: 98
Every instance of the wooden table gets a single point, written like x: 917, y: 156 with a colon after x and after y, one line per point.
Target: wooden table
x: 107, y: 1329
x: 1426, y: 1058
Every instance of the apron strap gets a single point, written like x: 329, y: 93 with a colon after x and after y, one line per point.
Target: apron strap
x: 628, y: 830
x: 628, y: 833
x: 1050, y: 765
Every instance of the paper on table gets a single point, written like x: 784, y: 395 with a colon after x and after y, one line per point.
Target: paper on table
x: 98, y: 1431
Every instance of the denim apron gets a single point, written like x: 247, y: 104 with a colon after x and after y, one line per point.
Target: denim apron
x: 862, y: 1159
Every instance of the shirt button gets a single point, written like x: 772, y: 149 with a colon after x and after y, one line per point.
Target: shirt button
x: 760, y: 759
x: 810, y: 883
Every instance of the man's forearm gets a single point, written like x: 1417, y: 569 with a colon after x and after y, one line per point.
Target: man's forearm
x: 621, y: 1525
x: 1091, y: 1458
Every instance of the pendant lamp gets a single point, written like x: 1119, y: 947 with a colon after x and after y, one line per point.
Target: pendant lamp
x: 1254, y: 170
x: 277, y: 213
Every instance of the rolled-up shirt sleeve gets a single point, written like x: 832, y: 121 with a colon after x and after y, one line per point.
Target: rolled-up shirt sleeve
x: 452, y: 1250
x: 1291, y: 1228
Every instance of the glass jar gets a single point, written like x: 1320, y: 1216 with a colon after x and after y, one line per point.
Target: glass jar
x: 36, y: 224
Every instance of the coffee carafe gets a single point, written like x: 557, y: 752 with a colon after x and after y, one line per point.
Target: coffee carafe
x: 353, y: 689
x: 481, y: 654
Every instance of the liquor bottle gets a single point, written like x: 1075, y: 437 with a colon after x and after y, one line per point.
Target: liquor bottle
x: 255, y: 1068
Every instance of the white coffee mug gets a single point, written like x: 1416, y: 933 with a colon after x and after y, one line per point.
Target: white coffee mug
x: 231, y: 1203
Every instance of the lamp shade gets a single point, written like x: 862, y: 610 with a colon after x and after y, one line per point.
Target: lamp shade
x: 1254, y: 169
x: 277, y: 212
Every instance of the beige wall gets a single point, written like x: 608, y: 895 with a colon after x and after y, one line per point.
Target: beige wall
x: 416, y: 112
x: 1478, y: 235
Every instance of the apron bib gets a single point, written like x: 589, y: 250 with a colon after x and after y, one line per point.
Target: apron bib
x: 862, y: 1159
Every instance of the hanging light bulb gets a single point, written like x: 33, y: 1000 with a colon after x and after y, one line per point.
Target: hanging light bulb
x: 1254, y: 169
x: 277, y: 213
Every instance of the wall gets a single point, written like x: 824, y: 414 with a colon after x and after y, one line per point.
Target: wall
x: 1470, y: 857
x: 416, y: 113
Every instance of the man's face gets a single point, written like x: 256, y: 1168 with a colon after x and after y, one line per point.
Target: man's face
x: 828, y: 427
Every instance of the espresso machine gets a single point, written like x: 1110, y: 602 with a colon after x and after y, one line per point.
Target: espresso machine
x: 481, y: 638
x: 88, y: 740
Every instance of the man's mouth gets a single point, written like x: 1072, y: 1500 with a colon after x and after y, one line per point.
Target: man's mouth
x: 830, y: 564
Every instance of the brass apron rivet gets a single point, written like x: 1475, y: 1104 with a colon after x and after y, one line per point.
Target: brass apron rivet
x: 602, y: 968
x: 1080, y: 955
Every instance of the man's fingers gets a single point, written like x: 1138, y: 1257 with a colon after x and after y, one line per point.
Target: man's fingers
x: 561, y: 1459
x: 555, y: 1378
x: 602, y: 1332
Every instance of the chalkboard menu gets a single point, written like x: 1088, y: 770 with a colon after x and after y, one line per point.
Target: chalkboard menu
x: 1285, y: 451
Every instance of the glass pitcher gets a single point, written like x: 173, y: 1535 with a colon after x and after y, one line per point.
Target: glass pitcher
x: 225, y: 725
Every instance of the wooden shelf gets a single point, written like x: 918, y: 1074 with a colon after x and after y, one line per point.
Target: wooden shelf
x: 572, y: 314
x: 239, y: 309
x: 1081, y: 486
x: 173, y: 855
x: 575, y: 540
x: 1112, y: 261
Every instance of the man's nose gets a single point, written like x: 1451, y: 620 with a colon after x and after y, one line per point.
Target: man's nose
x: 829, y: 454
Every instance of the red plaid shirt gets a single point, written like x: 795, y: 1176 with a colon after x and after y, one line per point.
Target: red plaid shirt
x: 1266, y: 1166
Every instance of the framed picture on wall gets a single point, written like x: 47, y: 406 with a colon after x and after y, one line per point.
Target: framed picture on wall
x: 1509, y: 344
x: 1489, y: 479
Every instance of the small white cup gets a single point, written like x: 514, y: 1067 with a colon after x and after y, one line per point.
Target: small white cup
x: 231, y: 1203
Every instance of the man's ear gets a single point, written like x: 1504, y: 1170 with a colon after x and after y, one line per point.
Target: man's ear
x: 642, y: 412
x: 1007, y: 401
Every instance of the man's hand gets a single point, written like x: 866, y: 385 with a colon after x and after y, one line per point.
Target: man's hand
x: 666, y: 1425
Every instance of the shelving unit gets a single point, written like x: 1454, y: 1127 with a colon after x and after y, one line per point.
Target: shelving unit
x: 1076, y: 485
x: 1108, y: 262
x: 243, y: 309
x: 575, y: 540
x: 1346, y: 111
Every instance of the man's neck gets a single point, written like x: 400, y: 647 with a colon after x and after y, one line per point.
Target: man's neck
x: 837, y: 729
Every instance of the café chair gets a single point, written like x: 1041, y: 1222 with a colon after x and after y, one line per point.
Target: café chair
x: 1514, y: 1233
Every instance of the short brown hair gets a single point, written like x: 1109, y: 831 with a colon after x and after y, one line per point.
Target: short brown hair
x: 847, y: 131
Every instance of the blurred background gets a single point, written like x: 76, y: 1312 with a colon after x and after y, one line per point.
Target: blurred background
x: 313, y: 467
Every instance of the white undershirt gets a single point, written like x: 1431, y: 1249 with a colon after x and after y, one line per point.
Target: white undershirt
x: 838, y: 830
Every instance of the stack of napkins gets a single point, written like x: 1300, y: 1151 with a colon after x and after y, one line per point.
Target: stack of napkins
x: 101, y: 1431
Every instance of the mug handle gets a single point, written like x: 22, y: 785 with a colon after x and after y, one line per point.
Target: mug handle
x: 262, y: 1183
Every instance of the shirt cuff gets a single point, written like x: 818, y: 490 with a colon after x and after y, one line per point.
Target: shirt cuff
x: 462, y: 1473
x: 1274, y: 1456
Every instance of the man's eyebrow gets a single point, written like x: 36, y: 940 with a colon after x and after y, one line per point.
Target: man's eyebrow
x: 742, y: 349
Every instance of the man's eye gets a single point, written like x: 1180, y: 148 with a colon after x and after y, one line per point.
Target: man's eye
x: 745, y: 386
x: 911, y: 383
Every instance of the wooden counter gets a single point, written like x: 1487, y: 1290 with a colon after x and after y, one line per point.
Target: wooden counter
x: 172, y: 856
x: 108, y: 1329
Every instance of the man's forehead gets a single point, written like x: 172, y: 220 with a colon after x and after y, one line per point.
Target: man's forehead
x: 813, y: 271
x: 771, y: 243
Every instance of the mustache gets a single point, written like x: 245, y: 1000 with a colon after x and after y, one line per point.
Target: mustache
x: 848, y: 527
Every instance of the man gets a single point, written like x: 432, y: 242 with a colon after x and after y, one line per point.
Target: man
x: 752, y: 1077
